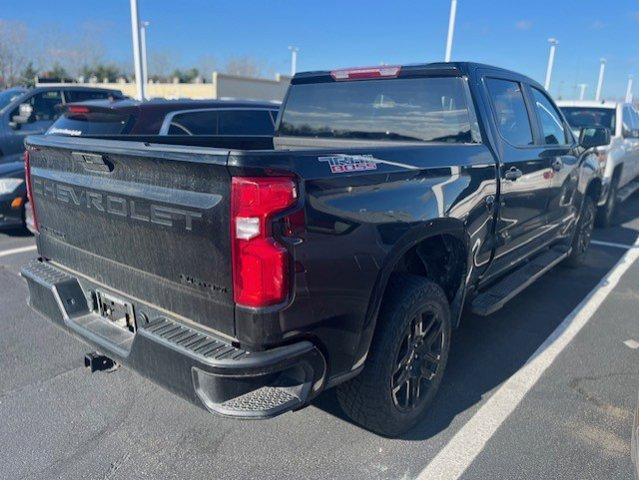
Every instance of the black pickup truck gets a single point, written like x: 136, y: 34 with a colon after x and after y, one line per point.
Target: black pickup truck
x: 250, y: 281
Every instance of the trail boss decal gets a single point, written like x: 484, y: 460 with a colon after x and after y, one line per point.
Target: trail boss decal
x: 350, y: 163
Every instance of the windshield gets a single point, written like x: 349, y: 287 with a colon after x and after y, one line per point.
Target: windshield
x: 405, y: 109
x: 7, y: 96
x: 579, y: 117
x: 91, y: 123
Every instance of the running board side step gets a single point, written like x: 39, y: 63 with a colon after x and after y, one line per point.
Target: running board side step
x: 625, y: 192
x: 506, y: 289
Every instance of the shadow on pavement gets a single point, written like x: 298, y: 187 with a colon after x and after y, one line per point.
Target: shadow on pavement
x: 16, y: 232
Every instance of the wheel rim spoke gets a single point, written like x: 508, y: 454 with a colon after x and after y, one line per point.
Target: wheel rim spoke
x: 417, y: 360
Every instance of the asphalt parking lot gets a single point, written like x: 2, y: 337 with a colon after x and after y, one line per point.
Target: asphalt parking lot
x: 573, y: 419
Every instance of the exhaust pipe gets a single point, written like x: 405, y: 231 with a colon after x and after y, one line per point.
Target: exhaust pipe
x: 98, y: 362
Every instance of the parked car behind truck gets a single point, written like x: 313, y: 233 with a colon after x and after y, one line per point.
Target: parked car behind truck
x: 31, y: 111
x: 250, y: 281
x: 621, y: 157
x: 221, y: 123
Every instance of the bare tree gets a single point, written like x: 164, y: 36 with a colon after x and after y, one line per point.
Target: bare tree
x: 13, y: 44
x: 74, y: 52
x: 161, y: 64
x: 206, y: 65
x: 244, y: 66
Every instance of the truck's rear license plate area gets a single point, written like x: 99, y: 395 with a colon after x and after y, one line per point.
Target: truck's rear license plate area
x: 115, y: 310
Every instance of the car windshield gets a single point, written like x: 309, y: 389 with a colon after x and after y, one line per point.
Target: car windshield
x: 7, y: 96
x: 579, y: 117
x: 404, y: 109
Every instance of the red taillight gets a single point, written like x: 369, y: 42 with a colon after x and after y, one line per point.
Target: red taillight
x: 78, y: 109
x: 260, y: 264
x: 385, y: 71
x: 27, y: 179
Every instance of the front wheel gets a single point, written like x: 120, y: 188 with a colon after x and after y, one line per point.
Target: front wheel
x: 583, y: 234
x: 607, y: 213
x: 407, y: 358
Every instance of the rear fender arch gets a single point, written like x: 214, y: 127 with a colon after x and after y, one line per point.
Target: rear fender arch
x: 428, y: 230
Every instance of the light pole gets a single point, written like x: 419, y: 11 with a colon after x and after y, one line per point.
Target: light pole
x: 145, y: 71
x: 137, y: 64
x: 582, y: 90
x: 551, y: 60
x: 629, y: 89
x: 294, y: 51
x: 451, y: 30
x: 602, y: 70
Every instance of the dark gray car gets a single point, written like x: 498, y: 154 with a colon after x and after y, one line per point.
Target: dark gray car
x: 31, y: 111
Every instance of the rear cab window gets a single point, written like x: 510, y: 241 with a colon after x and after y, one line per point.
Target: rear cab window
x: 418, y: 109
x: 84, y: 121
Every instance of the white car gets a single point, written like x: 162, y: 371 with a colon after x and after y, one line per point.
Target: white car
x: 621, y: 156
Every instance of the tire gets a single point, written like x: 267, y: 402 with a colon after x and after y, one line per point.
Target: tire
x: 583, y: 233
x: 607, y: 213
x: 379, y: 398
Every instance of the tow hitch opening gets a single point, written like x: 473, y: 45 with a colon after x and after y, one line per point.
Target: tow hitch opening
x: 97, y: 362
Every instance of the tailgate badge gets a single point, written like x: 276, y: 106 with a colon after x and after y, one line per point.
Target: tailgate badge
x: 94, y: 161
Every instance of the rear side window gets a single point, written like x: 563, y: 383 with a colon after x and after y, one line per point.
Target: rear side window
x: 403, y: 109
x: 245, y: 122
x: 510, y: 111
x: 552, y: 124
x: 91, y: 123
x: 222, y: 122
x: 84, y: 95
x: 194, y: 123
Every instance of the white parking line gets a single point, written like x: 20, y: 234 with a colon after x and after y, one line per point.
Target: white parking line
x: 457, y: 455
x: 13, y: 251
x: 612, y: 244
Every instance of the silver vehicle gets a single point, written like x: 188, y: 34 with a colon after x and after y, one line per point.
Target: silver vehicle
x: 621, y: 157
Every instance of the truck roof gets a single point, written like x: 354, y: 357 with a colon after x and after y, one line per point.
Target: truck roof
x: 416, y: 69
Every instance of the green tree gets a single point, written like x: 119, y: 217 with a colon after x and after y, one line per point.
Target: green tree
x: 28, y: 75
x: 58, y: 71
x: 185, y: 76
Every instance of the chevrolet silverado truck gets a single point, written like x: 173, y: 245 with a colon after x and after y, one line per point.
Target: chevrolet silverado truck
x: 249, y: 282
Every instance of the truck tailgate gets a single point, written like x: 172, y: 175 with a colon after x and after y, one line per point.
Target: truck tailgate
x: 149, y: 221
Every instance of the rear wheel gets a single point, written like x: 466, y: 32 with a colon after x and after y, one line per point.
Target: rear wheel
x: 407, y: 358
x: 583, y: 234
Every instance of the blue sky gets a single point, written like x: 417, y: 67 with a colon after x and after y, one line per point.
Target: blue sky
x: 332, y: 33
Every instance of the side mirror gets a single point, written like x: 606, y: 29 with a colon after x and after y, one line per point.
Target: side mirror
x: 591, y: 137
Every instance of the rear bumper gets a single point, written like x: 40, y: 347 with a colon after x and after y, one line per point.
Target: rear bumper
x: 183, y: 357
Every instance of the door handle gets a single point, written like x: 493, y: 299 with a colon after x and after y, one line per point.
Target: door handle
x: 557, y: 165
x: 513, y: 174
